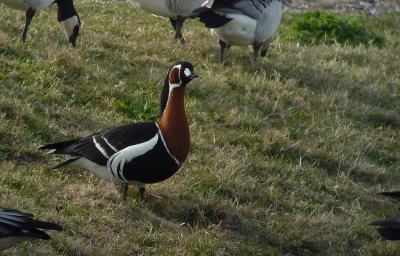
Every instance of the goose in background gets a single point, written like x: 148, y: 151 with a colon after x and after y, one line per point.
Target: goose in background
x: 138, y: 153
x: 242, y: 22
x: 66, y: 15
x: 16, y: 227
x: 176, y: 10
x: 389, y: 228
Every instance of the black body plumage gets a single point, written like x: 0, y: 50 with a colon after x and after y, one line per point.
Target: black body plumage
x: 392, y: 194
x: 19, y: 225
x: 389, y: 228
x: 101, y: 147
x: 65, y: 10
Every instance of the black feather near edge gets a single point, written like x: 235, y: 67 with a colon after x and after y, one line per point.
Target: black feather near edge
x: 210, y: 18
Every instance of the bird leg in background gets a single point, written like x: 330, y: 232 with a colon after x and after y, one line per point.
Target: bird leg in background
x: 173, y: 23
x: 223, y: 46
x: 178, y: 28
x: 256, y: 48
x: 28, y: 18
x: 265, y: 46
x: 142, y: 189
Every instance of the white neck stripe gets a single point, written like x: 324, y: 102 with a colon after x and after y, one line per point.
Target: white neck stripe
x: 173, y: 86
x: 166, y: 147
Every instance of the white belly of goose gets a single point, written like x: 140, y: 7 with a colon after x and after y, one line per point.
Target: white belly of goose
x: 97, y: 170
x: 169, y: 8
x: 156, y: 7
x: 239, y: 31
x: 25, y: 4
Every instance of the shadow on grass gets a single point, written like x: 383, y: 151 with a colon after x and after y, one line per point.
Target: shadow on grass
x: 324, y: 80
x: 183, y: 211
x: 324, y: 161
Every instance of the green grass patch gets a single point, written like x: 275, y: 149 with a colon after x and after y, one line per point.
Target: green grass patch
x: 286, y: 156
x: 320, y: 27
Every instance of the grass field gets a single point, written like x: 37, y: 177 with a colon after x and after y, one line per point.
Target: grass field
x: 286, y: 157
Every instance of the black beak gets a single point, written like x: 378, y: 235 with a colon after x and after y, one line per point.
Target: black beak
x: 193, y: 75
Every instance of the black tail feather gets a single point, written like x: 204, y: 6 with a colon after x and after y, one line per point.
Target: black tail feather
x: 35, y: 232
x: 48, y: 225
x: 59, y: 147
x: 389, y: 234
x: 393, y: 194
x: 388, y: 228
x: 66, y: 162
x: 210, y: 18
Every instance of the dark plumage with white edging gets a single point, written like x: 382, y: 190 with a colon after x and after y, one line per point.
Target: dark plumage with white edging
x: 138, y: 153
x: 16, y: 227
x: 67, y: 16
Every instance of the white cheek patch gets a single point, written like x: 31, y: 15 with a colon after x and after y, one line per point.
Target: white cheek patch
x: 68, y: 25
x: 187, y: 72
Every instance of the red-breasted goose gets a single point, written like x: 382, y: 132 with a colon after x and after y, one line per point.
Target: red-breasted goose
x: 16, y: 227
x: 242, y: 22
x: 66, y: 15
x: 176, y: 10
x: 138, y: 153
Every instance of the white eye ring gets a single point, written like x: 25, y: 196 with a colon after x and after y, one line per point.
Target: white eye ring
x: 187, y: 72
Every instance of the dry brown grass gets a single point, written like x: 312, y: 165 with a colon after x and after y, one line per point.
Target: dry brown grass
x: 286, y: 156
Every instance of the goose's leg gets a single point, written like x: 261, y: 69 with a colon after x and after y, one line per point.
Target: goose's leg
x: 124, y: 191
x: 142, y: 189
x: 173, y: 23
x: 256, y: 48
x: 178, y: 30
x: 28, y: 18
x: 223, y: 45
x: 265, y: 47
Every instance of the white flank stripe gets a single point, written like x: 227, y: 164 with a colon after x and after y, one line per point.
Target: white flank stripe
x: 129, y: 153
x: 109, y: 144
x: 102, y: 151
x: 50, y: 152
x: 165, y: 145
